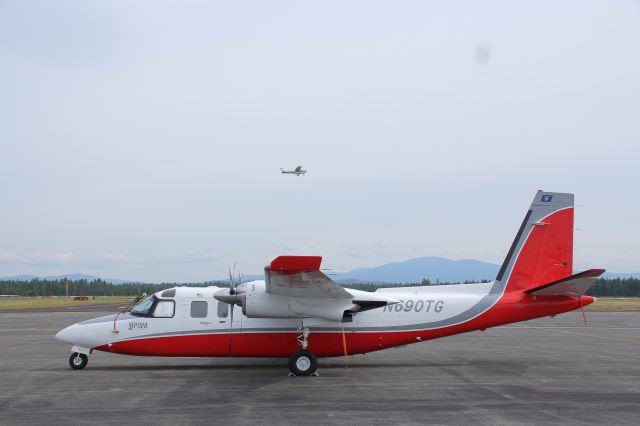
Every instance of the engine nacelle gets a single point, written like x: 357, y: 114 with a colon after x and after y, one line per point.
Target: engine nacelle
x: 260, y: 304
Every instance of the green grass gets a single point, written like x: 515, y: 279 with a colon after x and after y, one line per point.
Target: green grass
x: 615, y: 304
x: 18, y: 303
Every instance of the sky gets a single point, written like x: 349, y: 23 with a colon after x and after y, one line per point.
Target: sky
x: 144, y: 140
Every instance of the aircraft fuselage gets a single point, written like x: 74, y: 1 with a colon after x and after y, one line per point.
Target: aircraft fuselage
x: 424, y: 313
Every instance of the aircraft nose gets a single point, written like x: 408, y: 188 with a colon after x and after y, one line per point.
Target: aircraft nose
x: 65, y: 334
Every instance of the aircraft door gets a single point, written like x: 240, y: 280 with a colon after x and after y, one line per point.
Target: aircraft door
x: 235, y: 328
x: 225, y: 325
x: 208, y: 332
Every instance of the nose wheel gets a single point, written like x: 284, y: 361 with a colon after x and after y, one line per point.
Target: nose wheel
x: 78, y: 361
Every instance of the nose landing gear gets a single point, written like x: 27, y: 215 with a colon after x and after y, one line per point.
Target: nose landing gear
x: 78, y: 361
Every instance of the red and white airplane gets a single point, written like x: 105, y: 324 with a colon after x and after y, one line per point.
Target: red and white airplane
x: 300, y: 313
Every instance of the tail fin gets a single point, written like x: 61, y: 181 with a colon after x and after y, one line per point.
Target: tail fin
x: 542, y: 251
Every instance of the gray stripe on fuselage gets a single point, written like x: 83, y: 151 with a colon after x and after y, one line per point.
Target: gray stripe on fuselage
x: 214, y: 331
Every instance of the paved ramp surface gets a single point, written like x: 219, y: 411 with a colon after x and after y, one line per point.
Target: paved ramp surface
x: 548, y: 371
x: 98, y: 308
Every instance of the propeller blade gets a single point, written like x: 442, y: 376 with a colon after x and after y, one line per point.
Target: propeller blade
x: 232, y: 284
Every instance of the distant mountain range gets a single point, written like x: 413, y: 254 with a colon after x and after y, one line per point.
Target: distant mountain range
x: 410, y: 271
x: 414, y: 270
x: 432, y: 268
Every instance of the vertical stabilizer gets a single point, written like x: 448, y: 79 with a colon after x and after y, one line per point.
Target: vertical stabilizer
x: 542, y: 251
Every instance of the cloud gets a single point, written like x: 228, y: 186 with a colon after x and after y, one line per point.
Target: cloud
x: 6, y: 256
x: 58, y: 257
x: 173, y: 258
x: 187, y: 257
x: 37, y: 257
x: 115, y: 257
x: 63, y: 257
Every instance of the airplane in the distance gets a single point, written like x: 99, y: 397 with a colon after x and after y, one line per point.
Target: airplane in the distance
x: 297, y: 171
x: 300, y: 313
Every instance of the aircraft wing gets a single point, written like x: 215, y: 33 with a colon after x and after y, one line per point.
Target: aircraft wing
x: 575, y: 285
x: 300, y: 276
x: 297, y: 289
x: 298, y: 168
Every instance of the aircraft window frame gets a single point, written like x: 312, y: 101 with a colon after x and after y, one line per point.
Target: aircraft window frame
x: 223, y: 310
x: 199, y: 303
x: 169, y: 293
x: 158, y: 302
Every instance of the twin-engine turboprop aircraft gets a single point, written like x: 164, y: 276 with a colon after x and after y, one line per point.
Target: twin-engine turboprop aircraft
x: 300, y: 313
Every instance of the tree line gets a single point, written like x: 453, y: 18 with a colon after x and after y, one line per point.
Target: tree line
x: 617, y: 287
x: 37, y: 287
x: 604, y: 287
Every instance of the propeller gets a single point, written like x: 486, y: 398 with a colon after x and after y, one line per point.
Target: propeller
x: 235, y: 295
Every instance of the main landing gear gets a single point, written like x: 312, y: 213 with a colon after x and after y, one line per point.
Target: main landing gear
x: 78, y: 361
x: 303, y: 362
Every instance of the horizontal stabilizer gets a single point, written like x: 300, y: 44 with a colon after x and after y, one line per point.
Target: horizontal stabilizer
x: 575, y: 285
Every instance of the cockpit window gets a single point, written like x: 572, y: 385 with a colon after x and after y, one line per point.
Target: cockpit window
x: 143, y: 308
x: 169, y: 293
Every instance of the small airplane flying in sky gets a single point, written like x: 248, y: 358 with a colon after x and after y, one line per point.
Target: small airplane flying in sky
x: 299, y: 312
x: 297, y: 171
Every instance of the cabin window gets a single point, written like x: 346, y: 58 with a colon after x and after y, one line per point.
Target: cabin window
x: 223, y: 310
x: 164, y: 309
x: 199, y: 309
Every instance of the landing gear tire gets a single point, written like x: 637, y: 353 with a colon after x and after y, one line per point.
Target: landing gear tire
x: 78, y: 361
x: 303, y: 363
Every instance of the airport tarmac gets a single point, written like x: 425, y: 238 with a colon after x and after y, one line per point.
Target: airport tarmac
x: 98, y: 309
x: 547, y: 371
